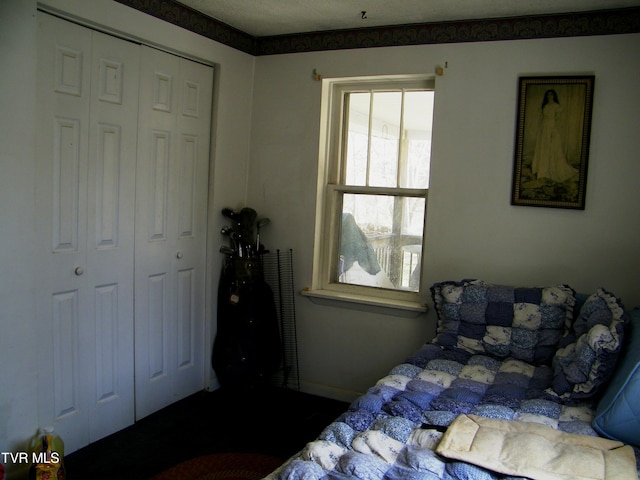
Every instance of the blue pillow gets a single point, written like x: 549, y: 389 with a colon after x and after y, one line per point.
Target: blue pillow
x: 618, y: 412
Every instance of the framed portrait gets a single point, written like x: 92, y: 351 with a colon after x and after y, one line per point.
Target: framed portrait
x: 552, y: 141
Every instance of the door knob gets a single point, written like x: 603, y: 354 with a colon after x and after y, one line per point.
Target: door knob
x: 78, y: 271
x: 179, y: 255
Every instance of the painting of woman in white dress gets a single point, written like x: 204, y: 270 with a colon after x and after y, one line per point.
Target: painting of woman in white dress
x: 549, y: 159
x: 552, y: 141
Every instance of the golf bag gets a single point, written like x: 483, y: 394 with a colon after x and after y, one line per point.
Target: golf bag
x: 247, y: 348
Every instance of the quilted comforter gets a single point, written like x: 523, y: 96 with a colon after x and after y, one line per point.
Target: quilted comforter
x: 392, y: 431
x: 502, y: 353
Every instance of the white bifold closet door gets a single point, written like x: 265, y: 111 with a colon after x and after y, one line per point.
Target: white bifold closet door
x: 171, y: 206
x: 85, y: 193
x: 121, y: 194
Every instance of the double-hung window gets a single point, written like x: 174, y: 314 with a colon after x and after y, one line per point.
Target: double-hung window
x: 372, y: 190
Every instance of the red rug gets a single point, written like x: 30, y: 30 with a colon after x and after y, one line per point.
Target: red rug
x: 227, y: 466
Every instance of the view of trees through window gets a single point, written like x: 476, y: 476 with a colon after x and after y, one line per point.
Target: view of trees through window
x: 384, y: 182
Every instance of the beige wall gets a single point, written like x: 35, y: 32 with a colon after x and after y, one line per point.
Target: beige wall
x: 473, y: 231
x: 18, y: 348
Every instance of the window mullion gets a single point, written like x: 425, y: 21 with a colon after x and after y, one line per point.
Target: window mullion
x: 398, y: 204
x: 402, y: 167
x: 400, y: 192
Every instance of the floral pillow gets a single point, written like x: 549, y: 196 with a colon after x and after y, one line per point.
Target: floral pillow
x: 588, y: 354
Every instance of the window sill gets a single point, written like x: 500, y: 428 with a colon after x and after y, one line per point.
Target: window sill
x: 385, y: 306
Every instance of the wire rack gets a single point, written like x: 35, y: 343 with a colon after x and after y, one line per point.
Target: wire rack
x: 277, y: 269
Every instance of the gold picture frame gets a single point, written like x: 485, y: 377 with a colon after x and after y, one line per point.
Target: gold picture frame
x: 552, y: 141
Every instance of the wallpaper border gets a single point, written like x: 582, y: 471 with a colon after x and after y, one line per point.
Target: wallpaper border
x: 604, y: 22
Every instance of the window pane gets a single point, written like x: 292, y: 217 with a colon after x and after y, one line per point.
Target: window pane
x: 381, y: 241
x: 375, y: 155
x: 357, y: 139
x: 413, y: 217
x: 385, y: 137
x: 418, y: 121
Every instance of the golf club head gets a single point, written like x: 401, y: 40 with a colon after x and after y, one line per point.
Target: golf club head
x: 263, y: 222
x: 248, y: 215
x: 227, y: 212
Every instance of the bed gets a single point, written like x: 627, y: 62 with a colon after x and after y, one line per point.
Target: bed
x: 518, y: 383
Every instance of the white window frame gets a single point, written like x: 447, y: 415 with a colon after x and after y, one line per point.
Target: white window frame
x: 329, y: 193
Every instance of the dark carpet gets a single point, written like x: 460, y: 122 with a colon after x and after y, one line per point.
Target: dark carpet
x: 270, y: 421
x: 222, y: 466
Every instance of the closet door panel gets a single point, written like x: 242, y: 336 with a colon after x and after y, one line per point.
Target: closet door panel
x: 68, y: 178
x: 172, y: 186
x: 190, y: 225
x: 65, y: 309
x: 110, y: 232
x: 61, y: 192
x: 86, y: 153
x: 155, y: 337
x: 108, y: 386
x: 155, y: 282
x: 187, y: 321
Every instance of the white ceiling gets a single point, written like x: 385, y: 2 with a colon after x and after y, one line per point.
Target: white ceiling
x: 276, y: 17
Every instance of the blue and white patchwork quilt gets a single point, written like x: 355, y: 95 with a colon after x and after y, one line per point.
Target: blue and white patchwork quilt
x: 392, y: 430
x: 496, y: 355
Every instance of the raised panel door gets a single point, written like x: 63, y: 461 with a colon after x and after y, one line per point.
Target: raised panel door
x: 171, y: 216
x: 86, y: 152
